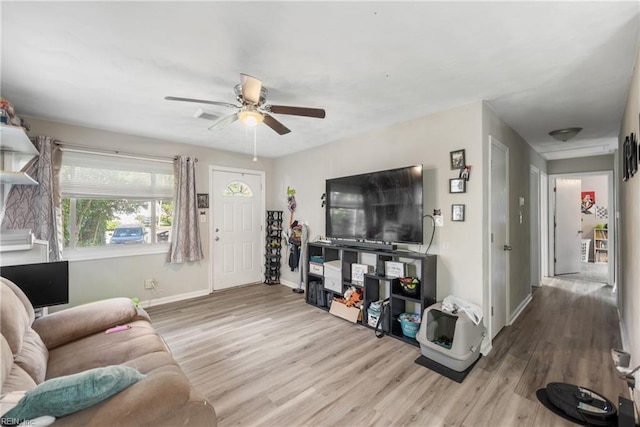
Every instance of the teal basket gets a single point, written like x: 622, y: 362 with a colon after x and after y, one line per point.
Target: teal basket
x: 410, y: 323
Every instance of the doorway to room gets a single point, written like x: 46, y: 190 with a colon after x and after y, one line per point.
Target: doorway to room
x: 237, y: 221
x: 581, y: 243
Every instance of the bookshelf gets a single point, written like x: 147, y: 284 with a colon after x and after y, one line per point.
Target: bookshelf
x: 600, y: 245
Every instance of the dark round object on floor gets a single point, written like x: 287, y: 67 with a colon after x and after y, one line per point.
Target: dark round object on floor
x: 578, y: 404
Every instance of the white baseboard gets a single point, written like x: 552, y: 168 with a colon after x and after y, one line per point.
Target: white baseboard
x: 520, y: 308
x: 194, y: 294
x: 166, y: 300
x: 289, y: 284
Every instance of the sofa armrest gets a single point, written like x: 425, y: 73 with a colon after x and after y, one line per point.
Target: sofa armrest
x: 73, y: 323
x: 149, y: 401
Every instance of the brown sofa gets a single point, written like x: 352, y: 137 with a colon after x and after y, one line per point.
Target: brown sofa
x: 74, y: 340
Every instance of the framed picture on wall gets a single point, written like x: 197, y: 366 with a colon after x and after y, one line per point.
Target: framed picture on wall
x: 457, y: 185
x: 203, y: 200
x: 457, y: 159
x: 457, y: 212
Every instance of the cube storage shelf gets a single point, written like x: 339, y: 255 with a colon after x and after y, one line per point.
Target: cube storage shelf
x: 376, y: 285
x: 273, y: 246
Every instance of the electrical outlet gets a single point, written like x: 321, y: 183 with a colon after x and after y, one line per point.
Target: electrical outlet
x: 148, y: 284
x: 439, y: 220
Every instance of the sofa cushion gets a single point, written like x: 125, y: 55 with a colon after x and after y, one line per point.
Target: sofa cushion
x: 22, y: 297
x: 33, y: 356
x: 64, y: 326
x: 14, y: 318
x: 65, y: 395
x: 102, y: 349
x: 6, y: 360
x: 17, y: 380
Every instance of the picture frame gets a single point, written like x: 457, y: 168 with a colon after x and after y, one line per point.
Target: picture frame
x: 626, y: 157
x: 457, y: 159
x: 457, y: 213
x: 633, y: 166
x: 203, y: 200
x: 457, y: 185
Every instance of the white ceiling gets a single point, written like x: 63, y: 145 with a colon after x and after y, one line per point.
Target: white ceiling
x: 108, y: 65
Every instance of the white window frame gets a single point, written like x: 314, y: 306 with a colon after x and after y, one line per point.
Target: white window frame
x: 73, y: 253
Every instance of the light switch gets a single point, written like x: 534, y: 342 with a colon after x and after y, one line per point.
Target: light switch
x: 203, y: 216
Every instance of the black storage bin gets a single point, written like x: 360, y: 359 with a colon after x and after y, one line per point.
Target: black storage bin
x: 320, y: 302
x: 311, y: 294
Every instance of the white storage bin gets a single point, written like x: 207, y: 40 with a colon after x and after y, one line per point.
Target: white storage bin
x: 316, y: 268
x: 333, y: 275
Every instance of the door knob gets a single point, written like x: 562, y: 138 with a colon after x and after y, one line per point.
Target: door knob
x: 507, y: 248
x: 217, y: 238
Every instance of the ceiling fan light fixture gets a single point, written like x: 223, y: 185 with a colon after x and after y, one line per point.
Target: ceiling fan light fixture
x: 250, y: 118
x: 565, y: 134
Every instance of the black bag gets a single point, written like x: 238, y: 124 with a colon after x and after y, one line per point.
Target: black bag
x: 384, y: 314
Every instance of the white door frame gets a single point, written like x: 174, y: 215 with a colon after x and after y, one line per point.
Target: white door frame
x: 544, y: 225
x: 263, y: 199
x: 496, y: 142
x: 610, y: 220
x: 534, y: 226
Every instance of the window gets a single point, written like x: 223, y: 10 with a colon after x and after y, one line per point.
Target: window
x: 115, y: 201
x: 237, y: 189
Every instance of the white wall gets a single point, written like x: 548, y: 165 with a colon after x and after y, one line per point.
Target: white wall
x: 97, y: 279
x: 629, y: 236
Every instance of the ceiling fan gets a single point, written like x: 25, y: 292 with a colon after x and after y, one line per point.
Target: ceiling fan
x: 253, y: 108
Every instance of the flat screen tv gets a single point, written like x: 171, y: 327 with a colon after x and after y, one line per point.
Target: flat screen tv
x: 383, y: 206
x: 45, y: 284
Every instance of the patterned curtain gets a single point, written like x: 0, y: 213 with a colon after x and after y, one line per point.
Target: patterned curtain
x: 185, y: 232
x: 37, y: 207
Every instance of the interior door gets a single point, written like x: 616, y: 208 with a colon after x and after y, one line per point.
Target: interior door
x: 568, y: 230
x: 236, y: 228
x: 499, y: 241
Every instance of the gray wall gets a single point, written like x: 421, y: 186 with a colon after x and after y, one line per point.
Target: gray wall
x: 521, y: 156
x: 462, y: 262
x: 102, y: 278
x: 629, y: 237
x: 582, y: 164
x: 427, y: 141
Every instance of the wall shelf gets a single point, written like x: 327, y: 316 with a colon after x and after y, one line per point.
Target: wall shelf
x: 16, y: 150
x: 7, y: 177
x: 14, y: 139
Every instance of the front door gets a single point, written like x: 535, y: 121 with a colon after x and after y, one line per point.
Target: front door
x: 236, y: 228
x: 568, y: 230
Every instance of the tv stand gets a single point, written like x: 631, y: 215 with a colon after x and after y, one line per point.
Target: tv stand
x: 381, y: 246
x: 376, y: 284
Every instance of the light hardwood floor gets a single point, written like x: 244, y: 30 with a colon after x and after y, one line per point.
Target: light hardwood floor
x: 263, y: 357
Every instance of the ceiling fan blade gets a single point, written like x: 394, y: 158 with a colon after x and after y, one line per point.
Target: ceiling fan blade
x: 275, y: 125
x: 250, y: 88
x: 224, y: 122
x: 201, y: 101
x: 318, y: 113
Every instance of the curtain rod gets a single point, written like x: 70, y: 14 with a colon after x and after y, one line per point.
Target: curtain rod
x: 116, y: 153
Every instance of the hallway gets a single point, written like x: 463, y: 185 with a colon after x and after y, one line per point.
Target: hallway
x: 589, y: 272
